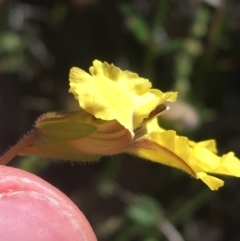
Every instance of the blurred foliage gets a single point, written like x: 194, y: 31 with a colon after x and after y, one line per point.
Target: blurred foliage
x: 191, y: 46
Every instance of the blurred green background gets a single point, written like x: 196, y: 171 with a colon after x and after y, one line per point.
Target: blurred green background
x: 190, y: 46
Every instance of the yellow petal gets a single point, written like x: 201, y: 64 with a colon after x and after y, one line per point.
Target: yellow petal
x: 164, y: 148
x: 213, y: 182
x: 209, y: 144
x: 130, y: 81
x: 111, y: 93
x: 148, y: 102
x: 197, y: 159
x: 209, y: 162
x: 153, y: 126
x: 102, y: 97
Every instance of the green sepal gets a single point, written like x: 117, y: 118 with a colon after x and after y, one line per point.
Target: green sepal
x: 64, y: 126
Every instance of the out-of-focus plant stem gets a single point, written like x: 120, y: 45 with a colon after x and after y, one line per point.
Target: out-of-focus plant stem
x: 191, y: 49
x: 151, y: 54
x: 191, y: 207
x: 152, y: 216
x: 215, y: 32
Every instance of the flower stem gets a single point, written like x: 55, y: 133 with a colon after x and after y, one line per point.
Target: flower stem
x: 27, y: 140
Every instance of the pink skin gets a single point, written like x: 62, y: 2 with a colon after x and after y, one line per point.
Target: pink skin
x: 32, y: 209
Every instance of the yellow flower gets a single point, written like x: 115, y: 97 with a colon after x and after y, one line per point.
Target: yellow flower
x: 118, y: 114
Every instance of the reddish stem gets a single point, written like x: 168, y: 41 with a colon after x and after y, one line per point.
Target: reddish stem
x: 27, y: 140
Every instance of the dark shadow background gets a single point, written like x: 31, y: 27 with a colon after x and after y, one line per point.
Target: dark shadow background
x: 191, y: 46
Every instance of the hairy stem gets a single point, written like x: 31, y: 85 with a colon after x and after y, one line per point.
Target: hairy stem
x: 27, y: 140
